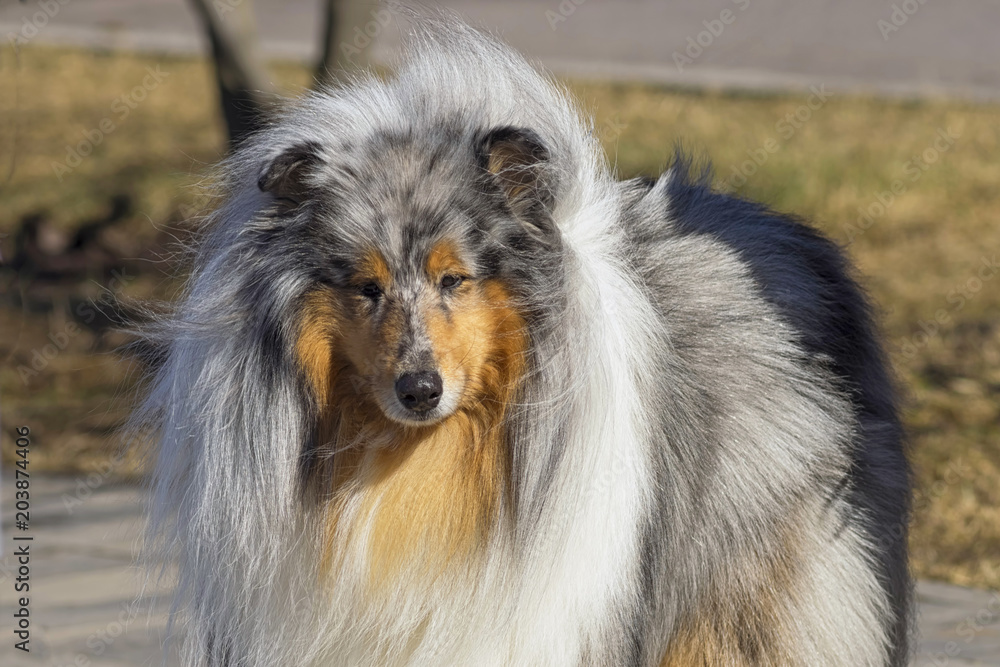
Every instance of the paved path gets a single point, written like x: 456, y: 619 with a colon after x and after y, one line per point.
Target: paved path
x: 896, y: 47
x: 84, y: 588
x: 960, y: 626
x: 85, y: 605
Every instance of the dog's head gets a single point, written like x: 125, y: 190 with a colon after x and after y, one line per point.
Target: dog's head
x: 424, y: 255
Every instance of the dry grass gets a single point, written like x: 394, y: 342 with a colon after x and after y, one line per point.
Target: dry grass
x: 921, y: 255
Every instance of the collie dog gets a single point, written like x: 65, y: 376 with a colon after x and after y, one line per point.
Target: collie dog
x: 443, y: 391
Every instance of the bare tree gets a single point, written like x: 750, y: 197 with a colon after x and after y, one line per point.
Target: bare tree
x: 245, y: 91
x: 243, y: 84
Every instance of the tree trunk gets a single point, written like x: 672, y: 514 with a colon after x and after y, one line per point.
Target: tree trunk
x: 345, y: 44
x: 244, y: 89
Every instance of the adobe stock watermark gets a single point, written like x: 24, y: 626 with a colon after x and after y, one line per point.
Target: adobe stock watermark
x: 99, y: 642
x: 900, y: 14
x: 58, y: 341
x: 956, y: 298
x: 956, y: 472
x: 609, y: 130
x: 87, y: 484
x: 967, y: 630
x: 362, y: 37
x: 913, y: 170
x: 564, y: 10
x: 714, y: 28
x: 31, y: 26
x: 121, y: 107
x: 223, y: 7
x: 785, y: 129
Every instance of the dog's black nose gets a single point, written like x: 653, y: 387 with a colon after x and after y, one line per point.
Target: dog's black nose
x: 419, y: 392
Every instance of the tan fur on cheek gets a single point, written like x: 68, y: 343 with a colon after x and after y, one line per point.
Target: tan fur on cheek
x: 482, y: 344
x: 332, y: 379
x: 500, y: 379
x: 319, y: 334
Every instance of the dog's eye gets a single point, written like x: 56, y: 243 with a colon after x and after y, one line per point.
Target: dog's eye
x: 371, y: 291
x: 451, y: 282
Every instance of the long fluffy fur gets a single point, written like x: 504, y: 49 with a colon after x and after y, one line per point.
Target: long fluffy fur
x: 705, y: 462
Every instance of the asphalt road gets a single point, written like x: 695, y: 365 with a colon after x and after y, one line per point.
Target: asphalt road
x: 894, y: 47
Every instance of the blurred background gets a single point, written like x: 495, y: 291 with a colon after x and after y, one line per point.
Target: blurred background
x: 878, y: 120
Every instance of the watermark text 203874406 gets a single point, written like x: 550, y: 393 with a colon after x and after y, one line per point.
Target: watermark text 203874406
x: 22, y: 540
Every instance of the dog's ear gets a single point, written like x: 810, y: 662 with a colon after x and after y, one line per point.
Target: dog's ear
x: 519, y: 162
x: 286, y: 177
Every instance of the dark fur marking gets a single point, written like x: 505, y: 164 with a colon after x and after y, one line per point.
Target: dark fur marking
x: 285, y: 176
x: 517, y: 160
x: 813, y: 289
